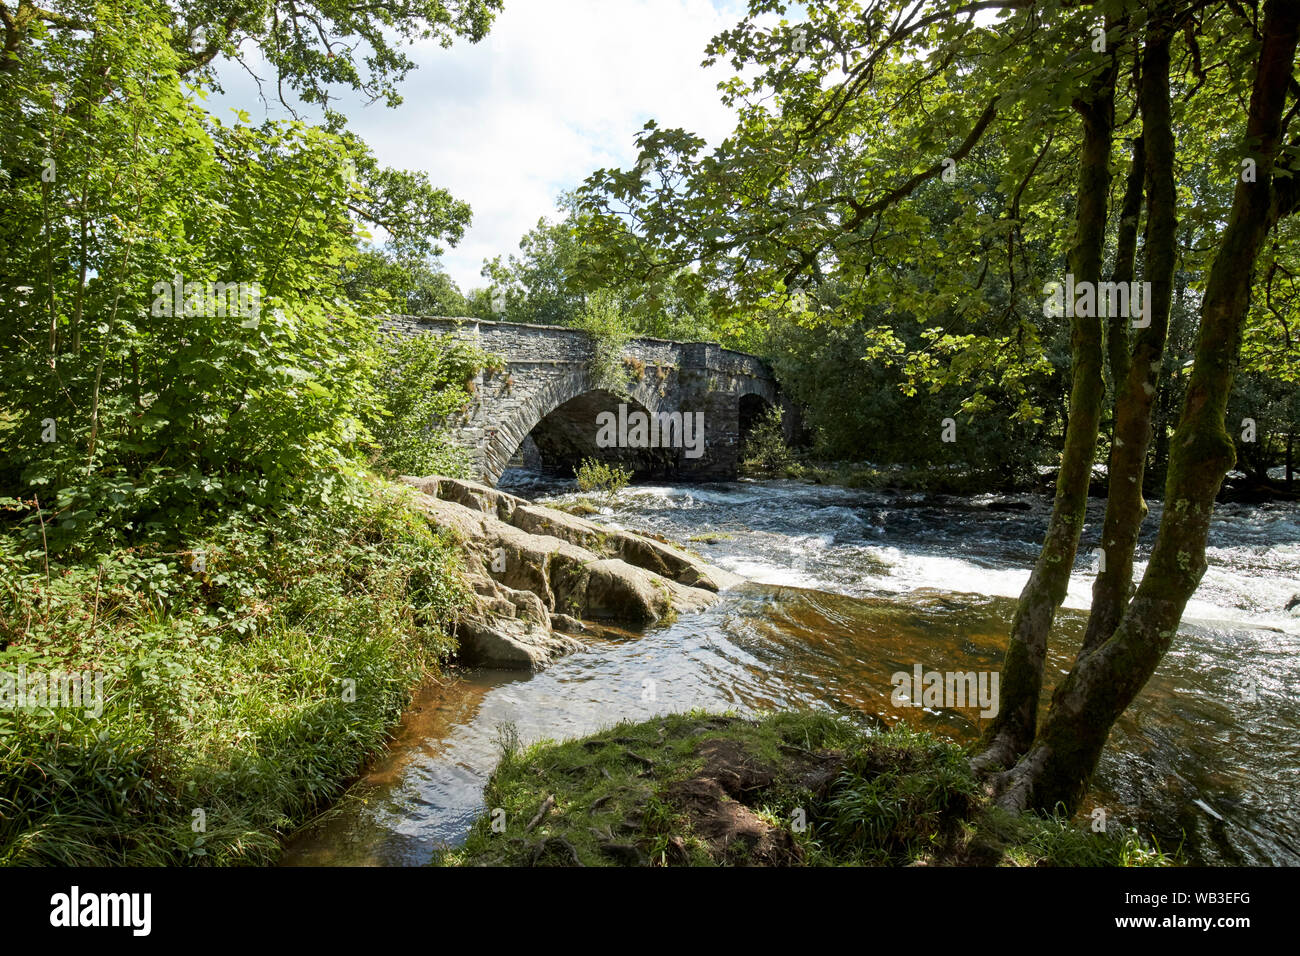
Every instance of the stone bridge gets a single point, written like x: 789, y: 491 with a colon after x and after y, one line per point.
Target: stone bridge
x: 548, y: 412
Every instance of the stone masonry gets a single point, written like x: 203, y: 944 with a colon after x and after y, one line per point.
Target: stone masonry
x: 544, y: 405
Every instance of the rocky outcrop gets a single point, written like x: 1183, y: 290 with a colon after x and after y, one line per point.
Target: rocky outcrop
x: 539, y: 574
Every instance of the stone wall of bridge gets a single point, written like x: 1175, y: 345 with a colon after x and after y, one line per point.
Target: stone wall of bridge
x: 545, y: 402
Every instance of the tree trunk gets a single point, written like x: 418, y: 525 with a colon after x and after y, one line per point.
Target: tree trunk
x: 1012, y: 730
x: 1135, y: 395
x: 1117, y: 330
x: 1169, y: 398
x: 1056, y: 770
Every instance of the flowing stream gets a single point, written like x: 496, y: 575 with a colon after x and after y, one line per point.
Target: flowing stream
x: 848, y: 587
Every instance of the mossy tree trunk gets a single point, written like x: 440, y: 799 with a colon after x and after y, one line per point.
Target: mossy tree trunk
x: 1012, y: 731
x: 1056, y: 770
x: 1137, y: 377
x: 1126, y: 233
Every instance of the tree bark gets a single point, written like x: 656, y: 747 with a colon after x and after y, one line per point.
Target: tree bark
x: 1136, y: 391
x: 1169, y: 398
x: 1117, y: 333
x: 1012, y: 730
x: 1055, y: 772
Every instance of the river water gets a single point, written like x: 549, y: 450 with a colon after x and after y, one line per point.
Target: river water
x: 847, y: 588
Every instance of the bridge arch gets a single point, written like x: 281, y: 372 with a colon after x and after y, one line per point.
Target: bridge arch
x: 561, y: 419
x: 751, y: 407
x: 546, y: 390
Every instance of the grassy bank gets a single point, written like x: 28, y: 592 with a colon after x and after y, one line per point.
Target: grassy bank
x: 245, y: 680
x: 796, y: 789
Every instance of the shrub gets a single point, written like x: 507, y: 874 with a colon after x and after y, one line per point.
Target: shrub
x: 766, y: 453
x: 426, y: 381
x: 602, y: 318
x: 596, y: 475
x: 250, y: 685
x: 635, y: 367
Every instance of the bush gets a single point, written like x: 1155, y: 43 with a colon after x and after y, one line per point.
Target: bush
x: 602, y: 318
x: 248, y: 679
x: 426, y: 382
x: 766, y: 453
x: 595, y: 475
x: 867, y: 411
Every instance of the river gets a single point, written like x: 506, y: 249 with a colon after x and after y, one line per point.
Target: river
x: 848, y: 587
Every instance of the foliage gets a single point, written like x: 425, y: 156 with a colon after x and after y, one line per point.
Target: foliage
x: 427, y: 384
x: 765, y: 451
x: 130, y: 418
x: 902, y: 171
x: 600, y: 476
x: 311, y: 46
x: 899, y: 797
x: 247, y: 678
x: 859, y: 408
x: 378, y: 281
x: 550, y: 283
x: 603, y: 319
x: 541, y: 285
x: 896, y: 797
x: 1273, y: 405
x: 184, y: 504
x: 910, y: 159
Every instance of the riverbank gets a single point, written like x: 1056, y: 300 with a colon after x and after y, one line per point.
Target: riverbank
x: 234, y: 689
x: 789, y: 789
x: 228, y: 665
x: 245, y: 680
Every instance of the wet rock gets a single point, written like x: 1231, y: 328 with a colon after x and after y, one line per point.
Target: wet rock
x: 1009, y: 506
x: 510, y: 643
x: 535, y: 569
x: 571, y: 625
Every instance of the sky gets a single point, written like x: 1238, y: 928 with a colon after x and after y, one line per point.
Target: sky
x: 558, y: 89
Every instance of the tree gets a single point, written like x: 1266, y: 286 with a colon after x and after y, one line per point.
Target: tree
x: 1106, y: 678
x: 850, y: 121
x: 541, y: 284
x: 384, y: 282
x: 311, y: 45
x: 179, y: 341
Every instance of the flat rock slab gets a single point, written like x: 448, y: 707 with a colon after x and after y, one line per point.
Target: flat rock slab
x: 534, y: 570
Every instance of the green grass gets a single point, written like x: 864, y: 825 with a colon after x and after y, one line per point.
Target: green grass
x: 582, y: 507
x: 240, y: 699
x: 711, y: 537
x: 832, y: 794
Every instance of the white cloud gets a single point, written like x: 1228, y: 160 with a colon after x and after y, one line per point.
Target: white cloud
x: 557, y: 89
